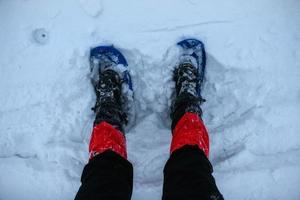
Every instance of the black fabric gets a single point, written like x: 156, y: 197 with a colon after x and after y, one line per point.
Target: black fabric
x: 111, y: 113
x: 107, y: 176
x: 185, y: 102
x: 187, y: 176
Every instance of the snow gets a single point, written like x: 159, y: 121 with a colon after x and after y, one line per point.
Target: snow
x: 252, y: 91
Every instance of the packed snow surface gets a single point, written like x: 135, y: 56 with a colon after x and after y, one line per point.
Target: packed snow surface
x: 252, y: 90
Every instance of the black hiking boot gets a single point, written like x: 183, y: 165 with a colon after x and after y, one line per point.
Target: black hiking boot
x: 108, y: 105
x: 188, y: 77
x: 113, y: 86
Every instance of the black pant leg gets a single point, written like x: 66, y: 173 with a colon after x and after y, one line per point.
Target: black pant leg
x: 107, y: 176
x: 188, y: 176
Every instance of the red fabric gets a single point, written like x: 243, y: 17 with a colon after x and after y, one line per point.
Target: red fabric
x: 106, y: 137
x: 190, y: 130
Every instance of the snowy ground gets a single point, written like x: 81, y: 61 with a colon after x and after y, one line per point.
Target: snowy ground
x: 252, y: 91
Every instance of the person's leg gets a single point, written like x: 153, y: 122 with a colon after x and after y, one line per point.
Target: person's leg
x: 108, y: 174
x: 188, y: 172
x: 188, y: 176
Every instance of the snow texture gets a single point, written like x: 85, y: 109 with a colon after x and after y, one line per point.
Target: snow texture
x: 252, y: 91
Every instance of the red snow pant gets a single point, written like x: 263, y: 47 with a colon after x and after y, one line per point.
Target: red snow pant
x: 187, y: 173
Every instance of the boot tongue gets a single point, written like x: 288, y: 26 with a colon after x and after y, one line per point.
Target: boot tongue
x: 109, y: 88
x: 186, y: 79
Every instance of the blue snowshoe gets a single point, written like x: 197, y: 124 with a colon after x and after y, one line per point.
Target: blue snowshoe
x: 193, y: 55
x: 113, y: 86
x: 188, y: 76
